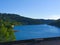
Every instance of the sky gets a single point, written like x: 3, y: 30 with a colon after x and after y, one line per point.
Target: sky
x: 37, y: 9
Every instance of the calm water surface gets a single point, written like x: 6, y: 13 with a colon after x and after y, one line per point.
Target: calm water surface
x: 36, y: 31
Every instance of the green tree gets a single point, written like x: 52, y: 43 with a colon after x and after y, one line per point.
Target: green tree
x: 6, y: 32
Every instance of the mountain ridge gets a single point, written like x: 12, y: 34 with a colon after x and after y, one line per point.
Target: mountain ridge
x: 23, y: 20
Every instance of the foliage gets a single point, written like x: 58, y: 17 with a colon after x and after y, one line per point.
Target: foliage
x: 6, y: 33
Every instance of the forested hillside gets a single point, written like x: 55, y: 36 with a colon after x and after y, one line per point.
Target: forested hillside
x: 17, y: 19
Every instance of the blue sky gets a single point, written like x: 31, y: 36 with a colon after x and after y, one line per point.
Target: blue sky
x: 40, y: 9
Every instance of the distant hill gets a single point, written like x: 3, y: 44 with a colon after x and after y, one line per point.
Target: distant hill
x: 17, y: 19
x: 56, y: 23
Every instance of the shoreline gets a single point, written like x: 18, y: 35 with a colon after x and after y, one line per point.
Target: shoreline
x: 37, y: 41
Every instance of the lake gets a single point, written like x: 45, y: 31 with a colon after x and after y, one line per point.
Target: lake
x: 36, y: 31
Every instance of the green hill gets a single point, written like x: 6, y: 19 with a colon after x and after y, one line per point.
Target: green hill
x: 17, y: 19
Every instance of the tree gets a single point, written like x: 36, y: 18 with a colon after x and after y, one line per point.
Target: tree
x: 6, y: 32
